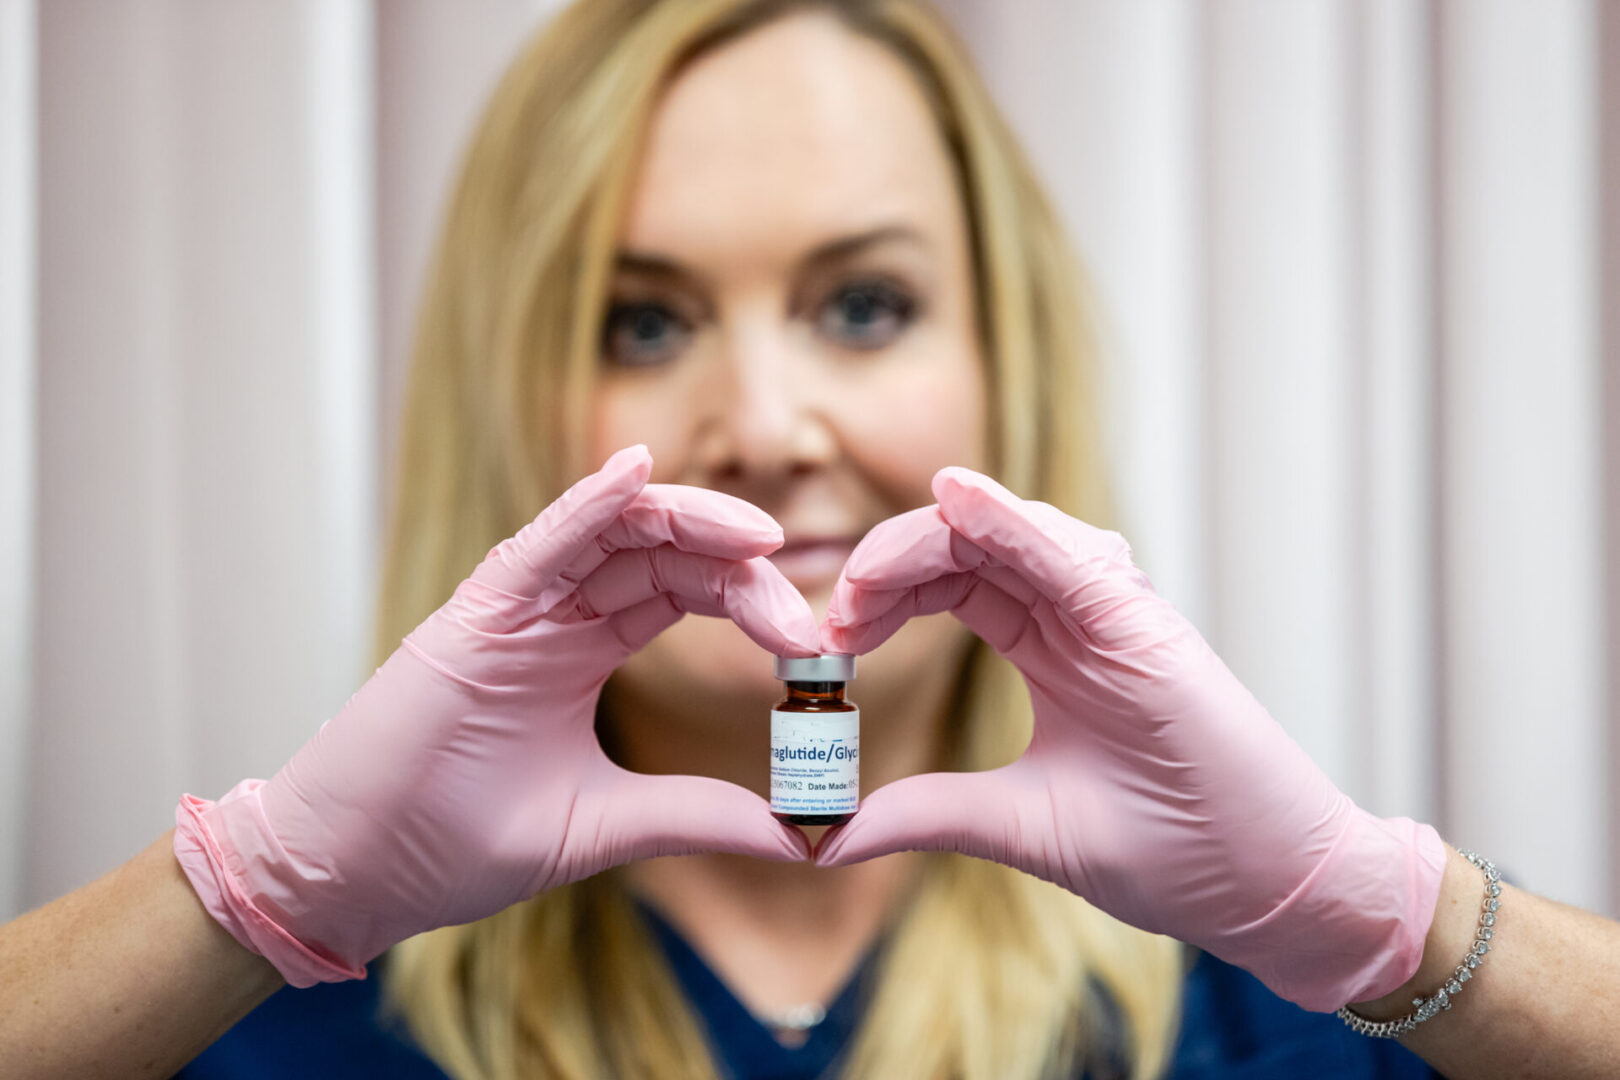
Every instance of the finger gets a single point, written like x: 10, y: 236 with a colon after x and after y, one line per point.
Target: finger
x: 982, y: 604
x: 693, y: 519
x: 852, y: 605
x: 639, y: 623
x: 751, y: 593
x: 969, y: 813
x: 859, y: 620
x: 1045, y: 546
x: 525, y: 564
x: 690, y: 518
x: 979, y: 600
x: 688, y: 815
x: 909, y: 549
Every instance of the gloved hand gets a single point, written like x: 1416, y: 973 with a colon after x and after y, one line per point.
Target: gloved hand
x: 1154, y: 786
x: 466, y: 775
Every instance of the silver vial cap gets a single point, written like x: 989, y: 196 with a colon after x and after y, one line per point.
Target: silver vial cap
x: 828, y: 667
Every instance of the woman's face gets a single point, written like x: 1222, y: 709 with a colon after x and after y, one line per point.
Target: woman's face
x: 792, y: 322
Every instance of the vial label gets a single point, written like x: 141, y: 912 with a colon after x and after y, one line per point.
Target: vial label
x: 815, y: 762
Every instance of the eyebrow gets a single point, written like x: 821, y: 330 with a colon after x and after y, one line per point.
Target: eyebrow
x: 832, y: 251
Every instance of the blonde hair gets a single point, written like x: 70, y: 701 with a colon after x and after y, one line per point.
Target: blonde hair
x: 985, y: 971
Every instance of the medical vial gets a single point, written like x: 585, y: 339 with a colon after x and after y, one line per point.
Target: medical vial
x: 815, y: 742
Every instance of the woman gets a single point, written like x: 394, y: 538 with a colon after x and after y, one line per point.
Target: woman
x: 791, y: 250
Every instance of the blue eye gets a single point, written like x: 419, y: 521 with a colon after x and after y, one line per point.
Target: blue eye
x: 636, y: 335
x: 866, y: 314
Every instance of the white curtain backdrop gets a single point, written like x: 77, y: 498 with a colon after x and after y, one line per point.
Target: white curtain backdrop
x: 1364, y: 401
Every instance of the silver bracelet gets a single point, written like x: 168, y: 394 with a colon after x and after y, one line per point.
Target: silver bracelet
x: 1441, y: 998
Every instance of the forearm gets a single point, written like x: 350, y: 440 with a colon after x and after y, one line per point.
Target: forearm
x: 1545, y: 1003
x: 126, y: 977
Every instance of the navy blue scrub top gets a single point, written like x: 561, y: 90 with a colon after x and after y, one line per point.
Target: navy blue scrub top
x: 1232, y: 1027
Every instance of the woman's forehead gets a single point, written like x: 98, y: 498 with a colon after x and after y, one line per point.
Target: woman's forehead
x: 798, y: 132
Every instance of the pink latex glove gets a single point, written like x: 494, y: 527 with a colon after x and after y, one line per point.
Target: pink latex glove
x: 466, y: 775
x: 1155, y: 786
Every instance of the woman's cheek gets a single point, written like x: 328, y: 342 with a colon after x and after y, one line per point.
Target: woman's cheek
x: 652, y: 409
x: 906, y: 419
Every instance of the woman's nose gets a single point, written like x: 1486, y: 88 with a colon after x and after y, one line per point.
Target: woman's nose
x: 771, y: 418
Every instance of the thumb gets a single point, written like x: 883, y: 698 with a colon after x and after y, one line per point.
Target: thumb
x: 690, y: 815
x: 969, y: 813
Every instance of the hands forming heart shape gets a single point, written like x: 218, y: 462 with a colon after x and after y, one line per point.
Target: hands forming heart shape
x: 466, y: 775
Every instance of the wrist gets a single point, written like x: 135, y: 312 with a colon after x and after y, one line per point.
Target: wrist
x: 241, y: 967
x: 207, y: 849
x: 1450, y: 937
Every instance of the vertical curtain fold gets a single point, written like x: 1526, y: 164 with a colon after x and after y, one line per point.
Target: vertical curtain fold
x: 1521, y: 495
x: 18, y: 401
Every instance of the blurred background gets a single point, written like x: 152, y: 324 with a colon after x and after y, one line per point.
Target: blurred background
x: 1363, y: 395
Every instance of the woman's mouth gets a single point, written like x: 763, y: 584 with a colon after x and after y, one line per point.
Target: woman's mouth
x: 811, y: 562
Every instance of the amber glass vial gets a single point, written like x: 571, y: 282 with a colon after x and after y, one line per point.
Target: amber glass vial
x: 815, y: 742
